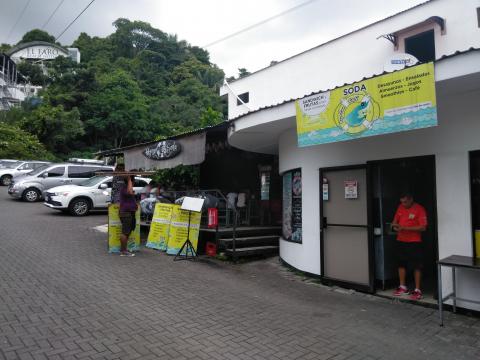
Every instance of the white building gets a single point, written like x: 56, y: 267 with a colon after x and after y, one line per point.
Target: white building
x: 351, y: 245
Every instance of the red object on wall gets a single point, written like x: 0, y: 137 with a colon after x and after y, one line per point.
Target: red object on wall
x: 211, y: 249
x: 212, y: 218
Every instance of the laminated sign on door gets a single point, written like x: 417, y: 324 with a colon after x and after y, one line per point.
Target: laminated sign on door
x: 351, y: 189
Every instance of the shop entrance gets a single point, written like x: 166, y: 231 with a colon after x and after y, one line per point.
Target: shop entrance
x: 346, y: 242
x: 358, y: 204
x: 391, y: 178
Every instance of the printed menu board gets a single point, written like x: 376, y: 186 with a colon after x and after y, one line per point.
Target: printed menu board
x: 292, y: 206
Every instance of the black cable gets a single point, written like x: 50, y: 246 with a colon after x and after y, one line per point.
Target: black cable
x: 53, y: 14
x: 18, y: 20
x: 58, y: 37
x: 260, y: 23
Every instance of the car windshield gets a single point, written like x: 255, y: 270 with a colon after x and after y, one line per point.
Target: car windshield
x: 39, y: 170
x: 93, y: 181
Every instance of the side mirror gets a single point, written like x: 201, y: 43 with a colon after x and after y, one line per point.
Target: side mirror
x: 44, y: 175
x: 103, y: 187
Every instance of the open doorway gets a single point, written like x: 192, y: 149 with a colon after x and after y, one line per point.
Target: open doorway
x: 475, y: 199
x: 391, y: 178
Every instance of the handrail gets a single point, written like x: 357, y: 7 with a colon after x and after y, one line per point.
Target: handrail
x: 234, y: 210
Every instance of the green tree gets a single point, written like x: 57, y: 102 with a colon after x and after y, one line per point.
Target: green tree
x: 118, y: 111
x: 18, y: 144
x: 210, y: 117
x: 37, y: 35
x: 32, y: 73
x: 242, y: 72
x: 55, y: 127
x: 4, y: 48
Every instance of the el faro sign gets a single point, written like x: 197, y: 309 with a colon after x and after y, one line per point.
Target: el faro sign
x: 163, y: 150
x: 40, y: 52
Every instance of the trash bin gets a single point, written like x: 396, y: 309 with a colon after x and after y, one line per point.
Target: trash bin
x: 211, y: 249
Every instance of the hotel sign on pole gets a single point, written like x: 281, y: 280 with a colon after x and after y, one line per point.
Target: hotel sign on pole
x: 399, y: 101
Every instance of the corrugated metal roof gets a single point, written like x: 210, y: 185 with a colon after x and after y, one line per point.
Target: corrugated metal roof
x: 444, y: 57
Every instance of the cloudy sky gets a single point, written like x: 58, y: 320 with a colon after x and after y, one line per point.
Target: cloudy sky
x: 204, y: 22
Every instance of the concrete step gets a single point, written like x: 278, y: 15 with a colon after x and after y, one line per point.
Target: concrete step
x: 241, y: 242
x: 253, y: 251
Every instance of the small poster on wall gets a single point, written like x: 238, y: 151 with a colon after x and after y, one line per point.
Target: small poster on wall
x: 325, y: 190
x: 292, y: 206
x: 351, y: 189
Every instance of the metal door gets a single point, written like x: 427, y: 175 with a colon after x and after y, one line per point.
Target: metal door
x: 345, y: 230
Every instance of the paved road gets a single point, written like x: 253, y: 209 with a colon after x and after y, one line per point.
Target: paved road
x: 63, y: 297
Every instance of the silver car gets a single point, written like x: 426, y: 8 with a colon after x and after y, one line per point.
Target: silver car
x: 32, y: 187
x: 14, y: 169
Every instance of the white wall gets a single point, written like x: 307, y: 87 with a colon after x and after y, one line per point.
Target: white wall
x: 353, y: 57
x: 457, y: 134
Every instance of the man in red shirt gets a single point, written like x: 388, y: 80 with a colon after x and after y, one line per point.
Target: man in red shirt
x: 409, y: 222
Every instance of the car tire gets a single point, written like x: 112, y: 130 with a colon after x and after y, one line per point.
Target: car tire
x: 31, y: 195
x: 6, y: 180
x: 80, y: 206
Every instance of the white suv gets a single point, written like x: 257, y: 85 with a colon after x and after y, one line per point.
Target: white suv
x: 92, y: 194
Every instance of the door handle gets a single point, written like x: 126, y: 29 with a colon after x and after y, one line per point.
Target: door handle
x: 324, y: 222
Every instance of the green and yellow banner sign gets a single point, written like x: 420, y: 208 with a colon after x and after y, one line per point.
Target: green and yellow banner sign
x: 179, y: 230
x: 399, y: 101
x: 115, y: 230
x: 160, y: 227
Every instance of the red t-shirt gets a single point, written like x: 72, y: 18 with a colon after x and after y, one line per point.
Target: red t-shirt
x: 414, y: 216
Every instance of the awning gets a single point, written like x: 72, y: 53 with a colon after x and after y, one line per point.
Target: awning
x: 182, y: 149
x: 191, y: 151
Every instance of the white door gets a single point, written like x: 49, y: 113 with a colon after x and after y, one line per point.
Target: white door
x: 346, y: 244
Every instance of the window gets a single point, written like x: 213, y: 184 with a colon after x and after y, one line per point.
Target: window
x: 292, y: 206
x: 81, y: 172
x: 140, y: 183
x: 37, y: 165
x: 245, y: 97
x: 422, y: 46
x: 26, y: 166
x: 56, y: 172
x: 478, y: 16
x: 84, y: 172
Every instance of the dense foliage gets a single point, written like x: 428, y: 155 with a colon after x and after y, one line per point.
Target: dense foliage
x: 18, y: 144
x: 135, y: 85
x: 180, y: 177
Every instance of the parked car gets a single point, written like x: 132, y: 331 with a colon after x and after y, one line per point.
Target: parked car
x: 5, y: 162
x: 93, y: 194
x: 31, y: 188
x: 15, y: 169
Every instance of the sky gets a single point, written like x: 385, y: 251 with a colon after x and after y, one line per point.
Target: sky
x: 203, y: 22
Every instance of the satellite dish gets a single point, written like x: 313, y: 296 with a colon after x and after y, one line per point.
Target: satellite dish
x: 399, y: 61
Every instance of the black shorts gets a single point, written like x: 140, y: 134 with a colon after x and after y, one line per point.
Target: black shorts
x: 128, y: 221
x: 409, y: 255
